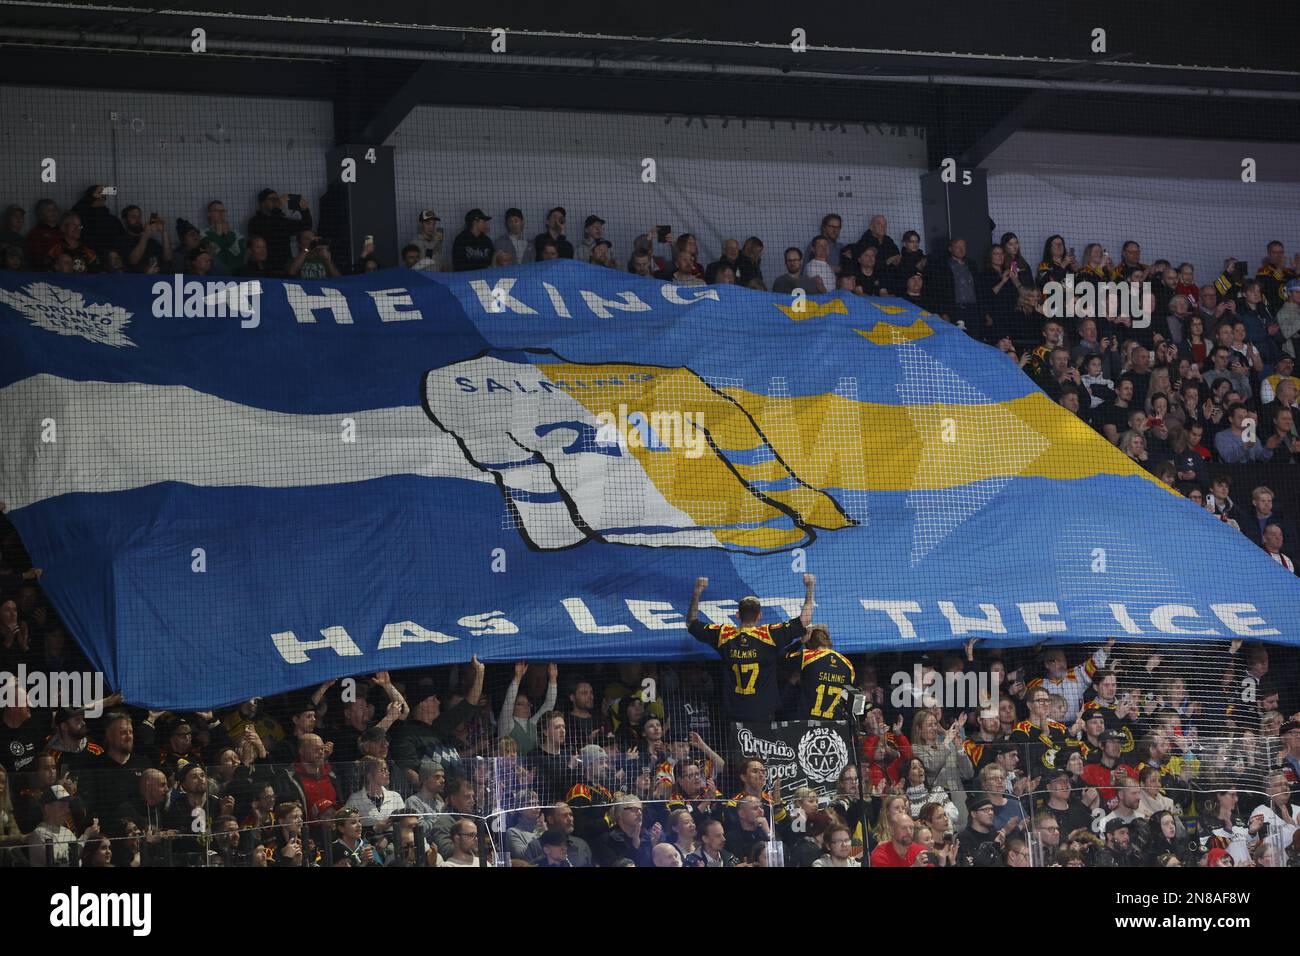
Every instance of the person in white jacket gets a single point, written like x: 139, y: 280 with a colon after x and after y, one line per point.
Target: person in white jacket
x: 374, y: 801
x: 518, y: 720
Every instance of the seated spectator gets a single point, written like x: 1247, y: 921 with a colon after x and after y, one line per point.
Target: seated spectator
x: 839, y: 847
x: 730, y: 258
x: 228, y: 243
x: 313, y: 260
x: 682, y: 272
x: 794, y: 278
x: 627, y: 839
x: 1261, y: 515
x: 81, y: 258
x: 311, y: 781
x: 979, y: 832
x: 259, y: 265
x: 713, y: 851
x: 12, y: 225
x: 559, y: 817
x: 350, y: 848
x: 1238, y: 442
x: 554, y: 847
x: 750, y: 826
x: 593, y: 233
x: 900, y: 851
x: 51, y: 842
x: 749, y: 265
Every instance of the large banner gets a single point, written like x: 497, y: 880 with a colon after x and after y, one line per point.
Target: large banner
x: 804, y: 753
x: 235, y: 490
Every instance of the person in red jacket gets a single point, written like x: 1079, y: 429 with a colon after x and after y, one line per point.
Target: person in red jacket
x: 885, y: 751
x: 1100, y: 772
x: 900, y: 850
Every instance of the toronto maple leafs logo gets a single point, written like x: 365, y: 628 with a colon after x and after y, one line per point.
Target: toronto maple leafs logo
x: 66, y: 312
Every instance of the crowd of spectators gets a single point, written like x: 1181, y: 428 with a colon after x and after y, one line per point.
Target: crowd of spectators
x: 1118, y: 755
x: 1111, y: 756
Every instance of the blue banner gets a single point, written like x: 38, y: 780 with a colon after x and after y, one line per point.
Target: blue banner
x: 236, y: 489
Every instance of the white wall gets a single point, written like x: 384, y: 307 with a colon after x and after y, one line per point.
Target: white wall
x: 772, y: 180
x: 1182, y: 200
x: 167, y: 153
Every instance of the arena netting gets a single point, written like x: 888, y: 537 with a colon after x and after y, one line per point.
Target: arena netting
x: 278, y: 485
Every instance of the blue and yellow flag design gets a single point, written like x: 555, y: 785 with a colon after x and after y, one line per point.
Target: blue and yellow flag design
x: 536, y: 462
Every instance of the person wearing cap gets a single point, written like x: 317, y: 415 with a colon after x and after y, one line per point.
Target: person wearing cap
x: 375, y: 801
x: 555, y: 233
x: 50, y: 842
x: 473, y: 249
x: 554, y: 844
x: 590, y: 799
x: 560, y: 817
x: 69, y: 744
x: 426, y: 803
x: 1288, y: 319
x: 1105, y: 764
x: 429, y: 732
x: 428, y: 243
x: 275, y: 222
x: 979, y: 830
x: 191, y: 811
x: 302, y: 717
x: 593, y: 231
x: 513, y: 241
x: 1119, y: 844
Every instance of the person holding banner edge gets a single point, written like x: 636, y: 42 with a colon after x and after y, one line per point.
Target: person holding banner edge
x: 753, y: 650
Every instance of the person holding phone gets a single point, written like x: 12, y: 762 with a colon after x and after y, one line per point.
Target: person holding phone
x: 277, y: 222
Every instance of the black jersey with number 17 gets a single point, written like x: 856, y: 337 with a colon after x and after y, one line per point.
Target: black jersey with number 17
x: 753, y: 657
x: 824, y: 674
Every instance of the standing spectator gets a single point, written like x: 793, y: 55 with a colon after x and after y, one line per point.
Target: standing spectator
x: 45, y: 235
x: 1232, y: 444
x: 555, y: 233
x: 817, y: 267
x: 428, y: 243
x: 944, y: 759
x: 954, y: 289
x: 517, y: 719
x: 830, y: 231
x: 229, y: 243
x: 593, y: 231
x: 749, y: 827
x: 1274, y: 273
x: 473, y: 249
x: 275, y: 222
x: 428, y: 732
x: 311, y: 781
x: 101, y: 230
x: 513, y: 241
x: 877, y: 235
x: 461, y: 809
x: 998, y: 287
x: 259, y: 265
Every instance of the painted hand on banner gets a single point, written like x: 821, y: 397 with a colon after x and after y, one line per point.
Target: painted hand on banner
x: 630, y: 454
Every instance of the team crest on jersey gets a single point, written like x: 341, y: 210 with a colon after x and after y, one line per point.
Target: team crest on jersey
x: 66, y: 313
x: 822, y: 754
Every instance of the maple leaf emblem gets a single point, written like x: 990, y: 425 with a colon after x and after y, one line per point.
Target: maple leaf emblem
x: 65, y: 312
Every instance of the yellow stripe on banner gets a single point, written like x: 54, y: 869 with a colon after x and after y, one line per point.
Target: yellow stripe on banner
x: 826, y: 441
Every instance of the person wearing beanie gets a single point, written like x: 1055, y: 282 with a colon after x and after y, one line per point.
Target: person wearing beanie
x: 589, y: 798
